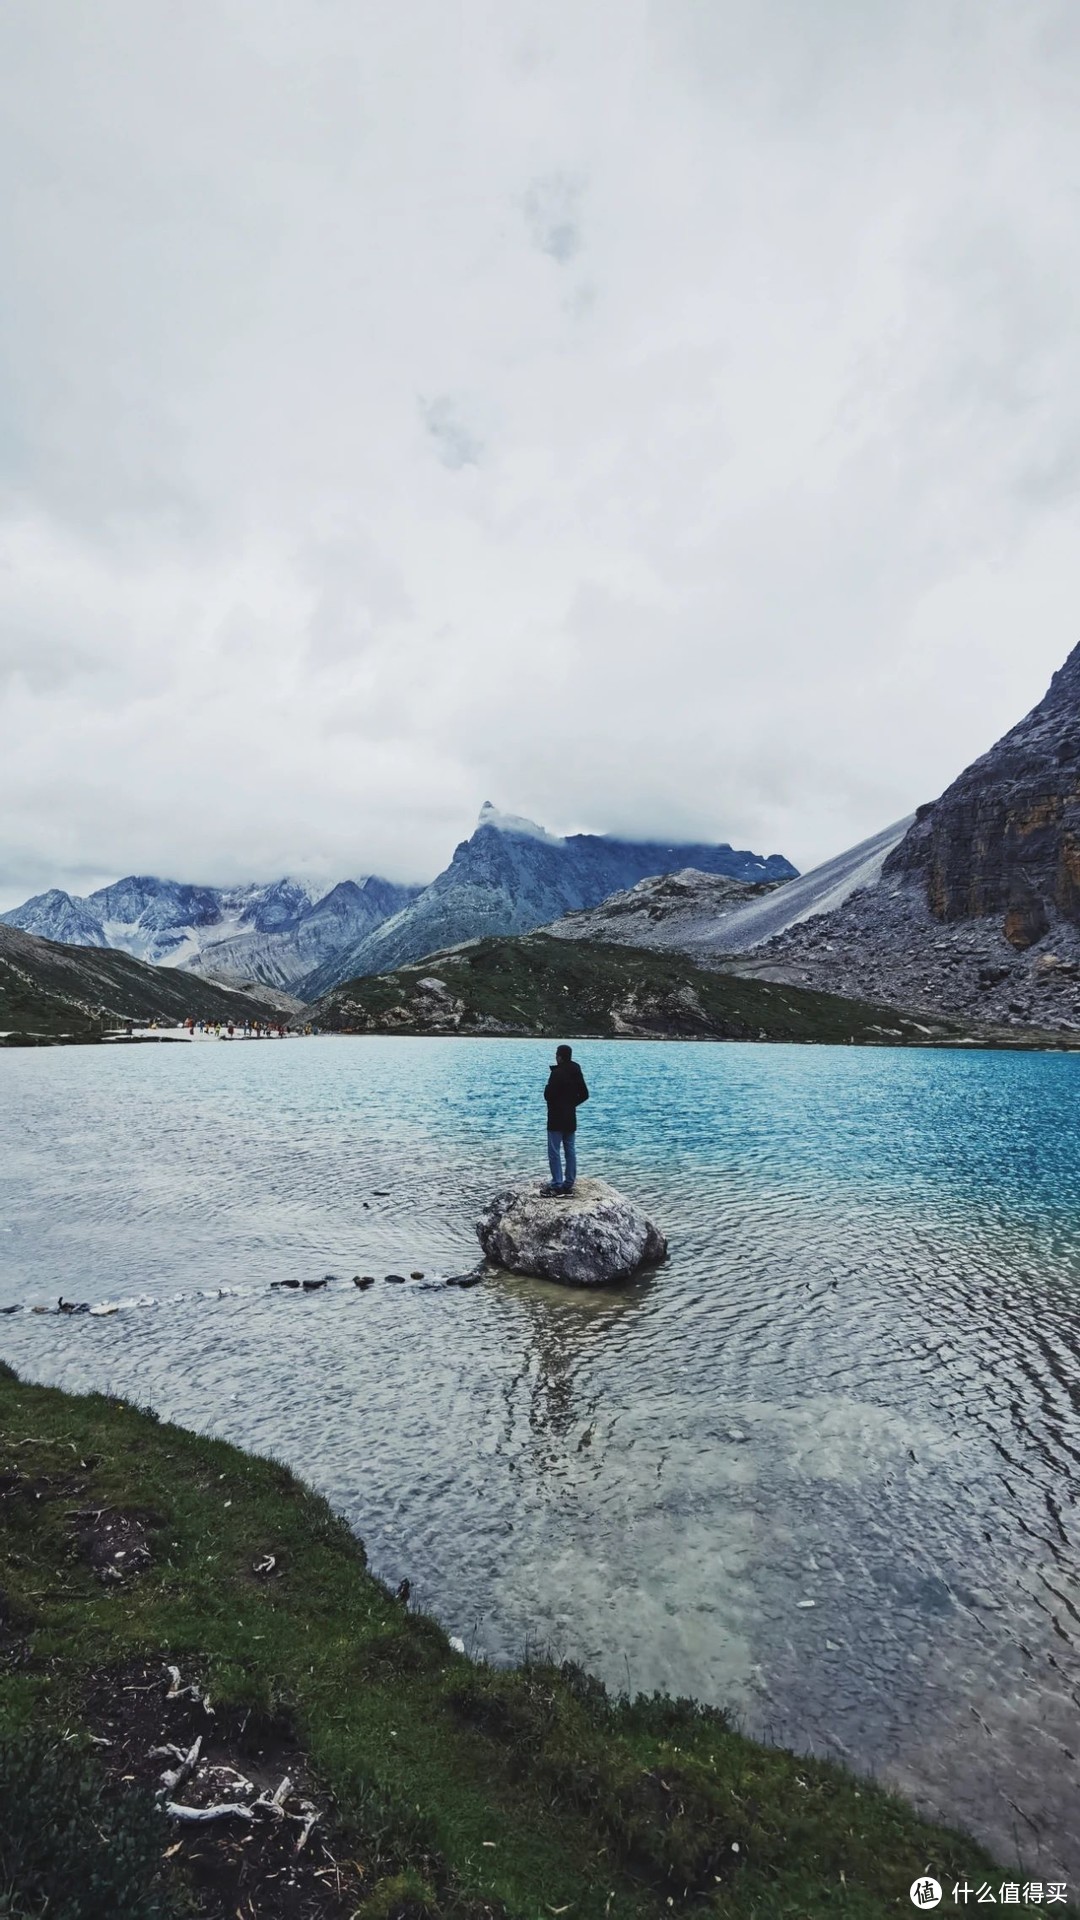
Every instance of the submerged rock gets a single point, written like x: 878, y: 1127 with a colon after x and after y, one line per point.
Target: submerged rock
x: 586, y: 1239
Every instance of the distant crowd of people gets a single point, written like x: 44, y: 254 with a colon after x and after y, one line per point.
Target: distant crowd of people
x: 233, y: 1029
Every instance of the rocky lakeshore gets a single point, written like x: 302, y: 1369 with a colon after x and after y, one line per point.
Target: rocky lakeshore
x: 209, y: 1705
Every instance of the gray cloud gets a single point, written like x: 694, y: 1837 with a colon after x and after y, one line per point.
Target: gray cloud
x: 552, y: 214
x: 41, y: 662
x: 755, y: 519
x: 456, y: 443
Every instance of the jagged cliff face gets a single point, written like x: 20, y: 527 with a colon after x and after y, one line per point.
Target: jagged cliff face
x: 977, y: 910
x: 1004, y: 840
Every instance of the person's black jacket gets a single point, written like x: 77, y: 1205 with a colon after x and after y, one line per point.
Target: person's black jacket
x: 564, y: 1094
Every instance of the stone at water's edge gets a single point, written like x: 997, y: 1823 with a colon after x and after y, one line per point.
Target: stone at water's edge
x: 593, y: 1237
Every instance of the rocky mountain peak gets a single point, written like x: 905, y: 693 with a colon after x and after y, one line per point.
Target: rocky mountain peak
x: 1004, y: 838
x: 513, y: 875
x: 515, y: 823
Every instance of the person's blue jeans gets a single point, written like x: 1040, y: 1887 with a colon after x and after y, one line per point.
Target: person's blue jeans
x: 558, y: 1144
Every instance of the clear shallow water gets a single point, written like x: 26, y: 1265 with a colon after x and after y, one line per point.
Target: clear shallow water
x: 856, y: 1382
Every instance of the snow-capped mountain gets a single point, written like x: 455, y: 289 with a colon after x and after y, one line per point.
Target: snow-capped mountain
x: 282, y: 956
x: 274, y: 933
x: 512, y: 876
x: 509, y: 877
x: 58, y: 916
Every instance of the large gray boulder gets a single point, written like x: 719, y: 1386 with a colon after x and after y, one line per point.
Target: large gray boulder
x: 588, y: 1239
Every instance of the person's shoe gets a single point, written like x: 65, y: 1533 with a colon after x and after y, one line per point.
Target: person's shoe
x: 548, y: 1191
x: 564, y: 1193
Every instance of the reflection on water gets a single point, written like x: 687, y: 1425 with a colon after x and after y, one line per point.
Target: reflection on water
x: 822, y: 1467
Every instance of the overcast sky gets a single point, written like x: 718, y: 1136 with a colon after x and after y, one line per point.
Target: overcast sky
x: 658, y: 419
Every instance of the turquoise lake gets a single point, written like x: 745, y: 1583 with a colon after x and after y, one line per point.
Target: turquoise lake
x: 821, y: 1467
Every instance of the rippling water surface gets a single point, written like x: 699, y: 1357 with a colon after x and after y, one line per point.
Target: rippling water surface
x: 822, y: 1467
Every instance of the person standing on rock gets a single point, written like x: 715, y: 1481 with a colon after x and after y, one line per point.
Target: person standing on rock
x: 564, y: 1093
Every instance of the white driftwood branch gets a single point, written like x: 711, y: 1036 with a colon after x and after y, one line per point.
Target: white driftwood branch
x: 179, y: 1692
x: 309, y: 1816
x: 273, y: 1803
x: 174, y: 1779
x: 201, y: 1815
x: 243, y: 1783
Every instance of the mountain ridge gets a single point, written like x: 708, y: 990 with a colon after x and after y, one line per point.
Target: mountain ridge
x: 699, y: 915
x: 511, y: 876
x: 271, y: 933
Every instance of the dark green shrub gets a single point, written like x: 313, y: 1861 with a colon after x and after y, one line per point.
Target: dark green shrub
x: 68, y: 1846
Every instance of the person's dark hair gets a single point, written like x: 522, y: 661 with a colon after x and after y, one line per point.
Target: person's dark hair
x: 563, y: 1053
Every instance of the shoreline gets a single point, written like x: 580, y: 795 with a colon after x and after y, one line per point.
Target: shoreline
x: 463, y: 1790
x: 1004, y: 1041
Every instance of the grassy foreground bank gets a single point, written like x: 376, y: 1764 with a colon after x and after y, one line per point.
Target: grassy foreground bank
x: 441, y: 1787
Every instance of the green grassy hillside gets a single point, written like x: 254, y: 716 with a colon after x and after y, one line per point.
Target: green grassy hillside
x: 560, y: 988
x: 157, y: 1587
x: 48, y: 990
